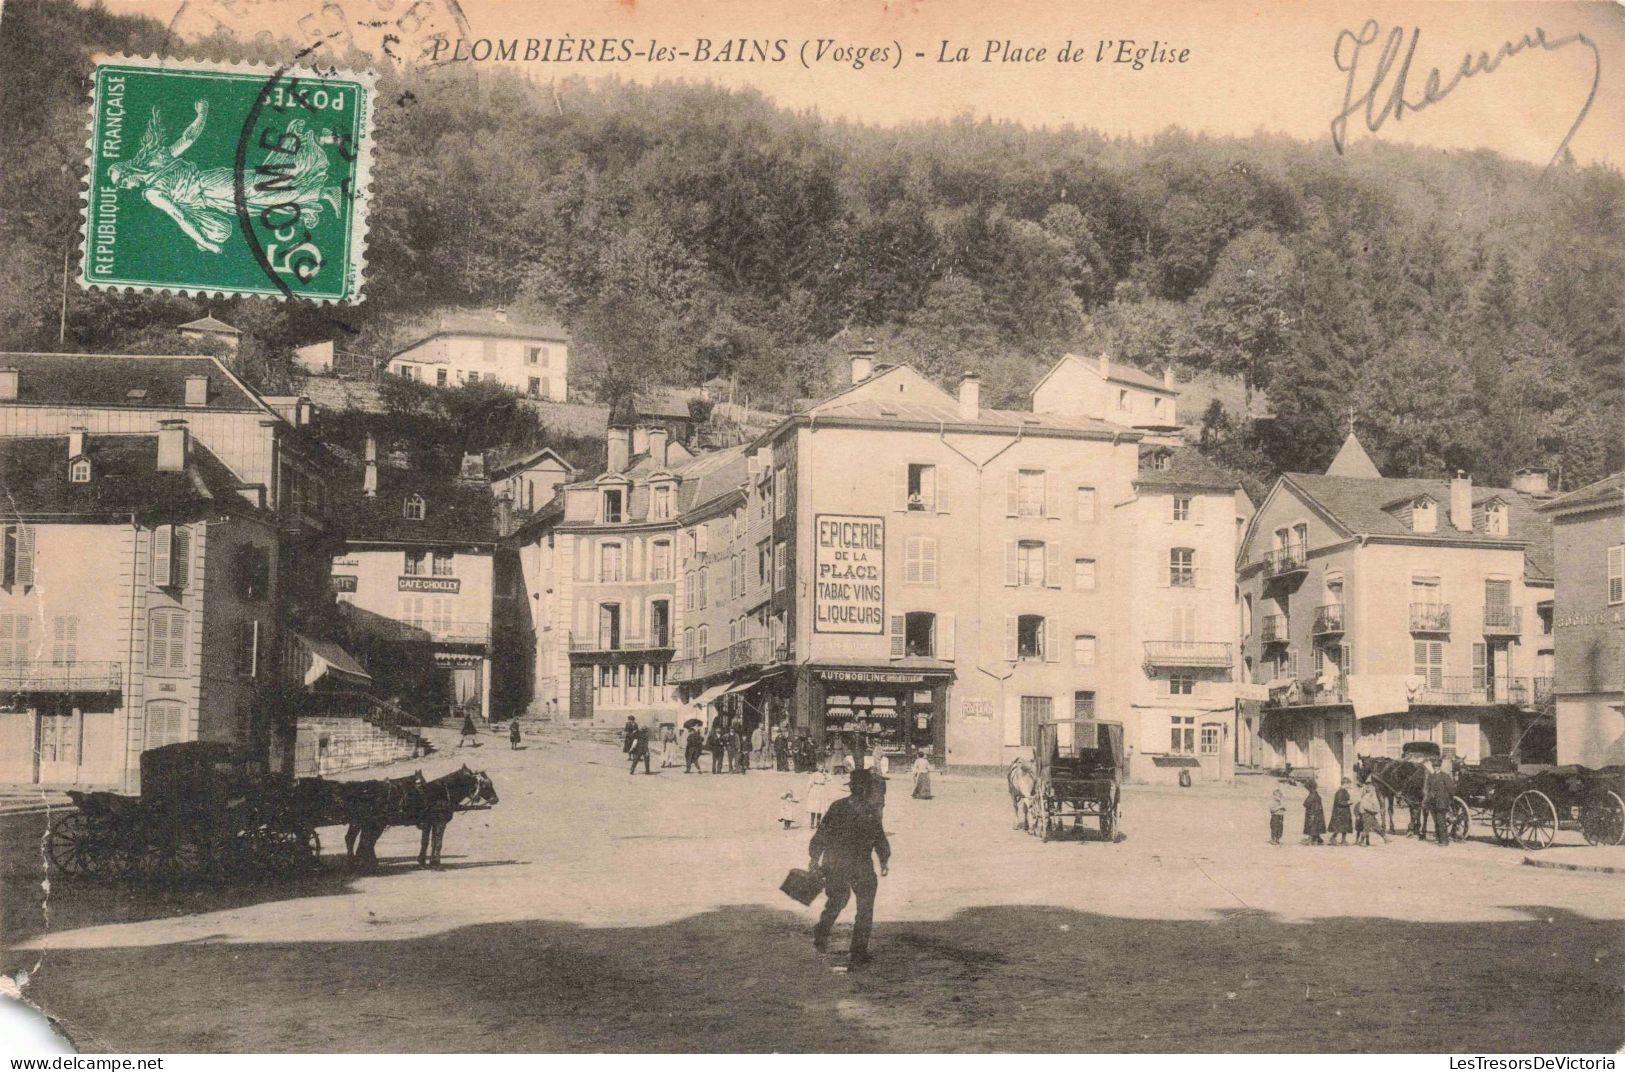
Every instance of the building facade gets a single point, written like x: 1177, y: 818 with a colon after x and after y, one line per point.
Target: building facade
x: 1588, y: 538
x: 1378, y: 611
x: 531, y: 358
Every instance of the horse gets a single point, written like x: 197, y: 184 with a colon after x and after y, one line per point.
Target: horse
x: 1022, y: 782
x: 429, y: 806
x: 1396, y: 779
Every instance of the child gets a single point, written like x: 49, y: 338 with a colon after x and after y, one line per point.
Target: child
x: 787, y: 810
x: 1370, y: 819
x: 1314, y: 815
x: 1277, y: 814
x: 1342, y: 814
x: 816, y: 796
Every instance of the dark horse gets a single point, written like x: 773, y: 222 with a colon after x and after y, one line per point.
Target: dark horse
x: 429, y: 806
x: 1396, y: 780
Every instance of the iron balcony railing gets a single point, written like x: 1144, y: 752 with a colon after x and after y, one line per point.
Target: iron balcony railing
x: 1272, y: 629
x: 752, y: 651
x: 1543, y: 690
x: 1503, y: 621
x: 1328, y: 619
x: 1293, y: 558
x: 1430, y: 617
x: 61, y: 677
x: 597, y: 642
x: 1309, y: 692
x: 1471, y: 689
x: 1182, y: 653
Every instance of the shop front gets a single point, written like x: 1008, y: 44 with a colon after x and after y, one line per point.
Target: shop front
x: 900, y: 712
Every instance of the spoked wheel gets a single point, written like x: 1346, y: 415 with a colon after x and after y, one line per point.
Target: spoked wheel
x: 1602, y: 820
x: 73, y: 846
x: 1460, y: 819
x: 1500, y: 826
x: 1534, y: 820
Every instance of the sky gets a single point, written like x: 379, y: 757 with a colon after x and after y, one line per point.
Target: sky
x: 1250, y: 67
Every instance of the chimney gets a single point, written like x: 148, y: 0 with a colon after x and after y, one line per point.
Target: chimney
x: 76, y: 442
x: 659, y: 442
x: 1461, y: 502
x: 173, y: 446
x: 1533, y: 481
x: 369, y: 481
x: 618, y: 444
x: 8, y: 384
x: 197, y: 390
x: 970, y: 397
x: 505, y: 514
x: 640, y: 440
x: 863, y: 360
x: 1168, y: 377
x: 1105, y: 367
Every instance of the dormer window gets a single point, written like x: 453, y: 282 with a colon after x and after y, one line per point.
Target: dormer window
x: 1495, y: 518
x: 1158, y: 461
x: 660, y: 501
x: 1424, y: 516
x: 414, y: 509
x: 613, y: 502
x: 79, y: 471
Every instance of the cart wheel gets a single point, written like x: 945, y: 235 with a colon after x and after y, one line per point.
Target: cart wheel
x: 1534, y: 820
x: 73, y: 846
x: 1460, y: 819
x: 1603, y: 819
x: 1499, y: 826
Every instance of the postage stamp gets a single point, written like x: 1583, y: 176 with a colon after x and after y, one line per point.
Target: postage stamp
x: 216, y: 179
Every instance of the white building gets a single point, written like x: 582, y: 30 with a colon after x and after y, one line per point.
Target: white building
x: 532, y: 358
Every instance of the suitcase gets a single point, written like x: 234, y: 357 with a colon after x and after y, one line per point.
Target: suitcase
x: 803, y: 886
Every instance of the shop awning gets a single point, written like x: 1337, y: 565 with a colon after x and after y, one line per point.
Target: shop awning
x: 739, y: 686
x: 709, y: 694
x: 327, y: 658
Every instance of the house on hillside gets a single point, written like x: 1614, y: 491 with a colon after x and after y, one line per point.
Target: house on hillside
x: 530, y: 479
x: 208, y: 328
x: 533, y: 358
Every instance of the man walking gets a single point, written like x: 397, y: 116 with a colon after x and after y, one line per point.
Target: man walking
x: 692, y: 750
x: 850, y: 831
x: 1437, y: 792
x: 639, y: 750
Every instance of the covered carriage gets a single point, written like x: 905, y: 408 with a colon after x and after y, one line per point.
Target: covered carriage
x: 1077, y: 773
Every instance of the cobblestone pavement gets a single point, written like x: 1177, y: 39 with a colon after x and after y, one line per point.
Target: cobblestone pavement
x: 595, y: 911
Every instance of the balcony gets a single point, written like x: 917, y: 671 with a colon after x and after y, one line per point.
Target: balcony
x: 595, y: 642
x: 1187, y: 653
x: 1286, y: 561
x: 430, y: 632
x: 1503, y: 621
x: 1430, y: 617
x: 752, y: 651
x: 1272, y: 629
x: 1308, y: 692
x: 45, y: 677
x: 1471, y: 690
x: 1329, y: 619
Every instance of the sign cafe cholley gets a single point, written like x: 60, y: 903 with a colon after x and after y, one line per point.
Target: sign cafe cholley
x: 850, y: 595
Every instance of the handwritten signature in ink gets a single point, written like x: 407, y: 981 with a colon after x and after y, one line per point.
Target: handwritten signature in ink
x: 1386, y: 97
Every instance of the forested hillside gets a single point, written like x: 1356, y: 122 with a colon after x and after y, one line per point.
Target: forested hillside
x: 1469, y: 309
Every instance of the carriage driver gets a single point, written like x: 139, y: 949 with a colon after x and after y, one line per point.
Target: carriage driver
x: 850, y: 831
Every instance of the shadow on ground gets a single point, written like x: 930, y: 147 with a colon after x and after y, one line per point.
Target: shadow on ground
x: 999, y: 978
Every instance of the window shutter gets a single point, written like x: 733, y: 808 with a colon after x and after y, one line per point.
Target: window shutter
x: 1052, y: 642
x: 1199, y: 562
x: 180, y: 562
x: 911, y: 560
x: 898, y: 627
x: 1012, y: 723
x: 1011, y: 550
x: 1052, y: 565
x: 1010, y: 638
x: 945, y: 636
x: 1052, y: 496
x: 24, y: 572
x: 177, y: 641
x: 157, y: 640
x: 900, y: 488
x: 928, y: 560
x: 1012, y: 504
x: 942, y: 493
x: 162, y: 540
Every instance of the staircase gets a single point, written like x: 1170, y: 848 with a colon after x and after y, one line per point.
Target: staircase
x: 565, y: 730
x: 348, y: 731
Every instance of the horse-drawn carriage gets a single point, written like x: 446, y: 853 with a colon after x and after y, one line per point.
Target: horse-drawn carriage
x: 1077, y: 772
x: 206, y: 811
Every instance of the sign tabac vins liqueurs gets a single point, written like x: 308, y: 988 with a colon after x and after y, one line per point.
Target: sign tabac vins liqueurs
x: 850, y: 574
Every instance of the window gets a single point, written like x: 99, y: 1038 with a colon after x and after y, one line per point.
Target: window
x: 1181, y: 685
x: 702, y: 539
x: 1212, y: 735
x: 634, y: 682
x: 414, y: 508
x: 79, y: 471
x: 252, y: 566
x: 764, y: 561
x: 166, y: 723
x: 919, y: 633
x: 473, y: 377
x: 1030, y: 636
x: 416, y: 561
x: 704, y: 585
x: 248, y: 649
x: 1123, y: 401
x: 781, y: 491
x: 660, y: 502
x: 736, y: 576
x: 1030, y: 493
x: 171, y: 556
x: 1182, y: 624
x: 781, y: 579
x: 15, y: 649
x: 1158, y: 405
x: 1083, y: 574
x: 442, y: 563
x: 1084, y: 650
x: 920, y: 560
x: 690, y: 583
x: 1083, y: 703
x: 612, y: 505
x: 533, y: 387
x: 1182, y: 567
x: 688, y: 643
x: 19, y: 556
x: 1182, y: 735
x: 166, y: 639
x: 1086, y: 504
x: 1247, y: 616
x: 660, y: 623
x: 533, y: 356
x: 610, y: 563
x: 1480, y: 666
x: 1424, y: 516
x: 703, y: 639
x: 739, y: 523
x: 1034, y: 710
x: 440, y: 377
x: 1182, y: 507
x: 1429, y: 662
x: 1495, y: 518
x: 1030, y: 563
x: 922, y: 487
x: 64, y: 640
x: 1616, y: 575
x: 1158, y: 461
x: 609, y: 627
x: 660, y: 561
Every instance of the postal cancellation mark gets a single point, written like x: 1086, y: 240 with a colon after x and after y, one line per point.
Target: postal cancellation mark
x: 227, y: 179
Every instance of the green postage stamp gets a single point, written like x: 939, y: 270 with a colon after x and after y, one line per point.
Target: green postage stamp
x: 216, y: 178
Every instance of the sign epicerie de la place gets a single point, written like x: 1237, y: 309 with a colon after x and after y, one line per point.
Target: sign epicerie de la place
x: 849, y: 574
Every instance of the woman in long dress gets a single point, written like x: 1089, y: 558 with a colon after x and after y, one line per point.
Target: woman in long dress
x: 1342, y: 814
x: 922, y: 777
x: 1314, y: 816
